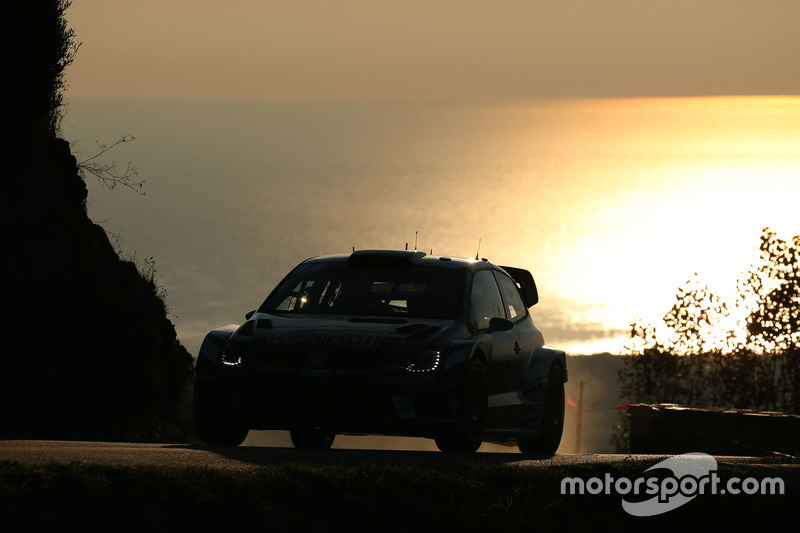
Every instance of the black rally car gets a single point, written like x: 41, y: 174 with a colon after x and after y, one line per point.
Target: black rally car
x: 388, y: 342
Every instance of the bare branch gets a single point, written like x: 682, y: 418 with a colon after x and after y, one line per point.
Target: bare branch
x: 108, y: 174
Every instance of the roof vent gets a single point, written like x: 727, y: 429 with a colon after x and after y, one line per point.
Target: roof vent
x: 385, y: 257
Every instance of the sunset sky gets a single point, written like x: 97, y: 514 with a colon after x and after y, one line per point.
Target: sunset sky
x: 583, y: 115
x: 585, y: 140
x: 503, y: 50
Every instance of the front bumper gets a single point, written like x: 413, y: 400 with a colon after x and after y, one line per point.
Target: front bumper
x: 334, y: 400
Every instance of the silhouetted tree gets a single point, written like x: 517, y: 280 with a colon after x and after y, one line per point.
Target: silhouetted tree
x: 774, y: 321
x: 41, y: 47
x: 714, y: 359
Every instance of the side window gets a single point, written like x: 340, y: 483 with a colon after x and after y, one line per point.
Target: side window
x: 515, y: 308
x: 485, y: 302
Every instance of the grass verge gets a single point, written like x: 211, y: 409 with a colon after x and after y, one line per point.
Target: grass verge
x: 298, y: 497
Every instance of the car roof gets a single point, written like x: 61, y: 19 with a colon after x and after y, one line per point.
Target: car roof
x: 376, y: 257
x: 401, y: 257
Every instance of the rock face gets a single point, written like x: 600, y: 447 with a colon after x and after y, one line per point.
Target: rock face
x: 87, y: 350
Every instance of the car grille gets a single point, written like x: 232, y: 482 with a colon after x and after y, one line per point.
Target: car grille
x: 321, y: 356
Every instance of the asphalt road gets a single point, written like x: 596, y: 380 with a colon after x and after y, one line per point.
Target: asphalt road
x: 242, y: 457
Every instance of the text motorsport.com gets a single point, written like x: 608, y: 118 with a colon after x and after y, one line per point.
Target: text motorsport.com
x: 693, y: 474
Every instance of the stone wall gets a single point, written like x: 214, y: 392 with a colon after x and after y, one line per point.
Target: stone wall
x: 674, y: 429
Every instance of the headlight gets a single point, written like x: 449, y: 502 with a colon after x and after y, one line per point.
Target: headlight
x: 425, y: 362
x: 231, y: 356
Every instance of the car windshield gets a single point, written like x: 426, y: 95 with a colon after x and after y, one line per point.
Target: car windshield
x: 345, y: 289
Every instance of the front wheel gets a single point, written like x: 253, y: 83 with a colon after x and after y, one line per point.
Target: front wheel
x: 474, y: 406
x: 552, y: 425
x: 216, y: 431
x: 311, y: 439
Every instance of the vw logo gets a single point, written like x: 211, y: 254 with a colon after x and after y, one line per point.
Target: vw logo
x: 318, y: 359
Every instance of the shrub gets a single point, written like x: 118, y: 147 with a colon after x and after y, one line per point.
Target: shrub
x: 743, y: 354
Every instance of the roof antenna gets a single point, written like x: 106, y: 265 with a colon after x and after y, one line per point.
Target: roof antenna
x: 479, y: 250
x: 416, y: 236
x: 406, y: 246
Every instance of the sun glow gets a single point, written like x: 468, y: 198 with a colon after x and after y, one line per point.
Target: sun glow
x: 690, y: 196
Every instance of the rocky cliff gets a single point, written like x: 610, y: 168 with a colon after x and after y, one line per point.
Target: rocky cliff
x: 88, y: 350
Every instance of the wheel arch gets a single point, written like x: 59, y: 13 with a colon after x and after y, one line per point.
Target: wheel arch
x: 544, y: 358
x: 211, y: 349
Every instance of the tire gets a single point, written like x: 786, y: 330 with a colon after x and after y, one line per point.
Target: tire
x: 217, y: 432
x: 474, y: 406
x: 311, y: 439
x: 552, y: 424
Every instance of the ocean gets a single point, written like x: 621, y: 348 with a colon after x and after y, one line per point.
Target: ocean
x: 610, y: 203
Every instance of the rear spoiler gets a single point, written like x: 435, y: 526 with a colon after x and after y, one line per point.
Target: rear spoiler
x: 527, y: 287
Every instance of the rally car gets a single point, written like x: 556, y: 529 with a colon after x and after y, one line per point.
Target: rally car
x: 387, y: 342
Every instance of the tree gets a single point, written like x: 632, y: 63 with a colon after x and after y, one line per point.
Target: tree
x: 740, y: 354
x: 773, y: 324
x: 43, y: 47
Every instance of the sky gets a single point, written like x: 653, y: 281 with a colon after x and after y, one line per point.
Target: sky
x: 465, y: 50
x: 500, y: 53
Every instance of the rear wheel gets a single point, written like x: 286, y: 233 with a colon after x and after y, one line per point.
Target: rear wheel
x: 552, y: 425
x: 311, y: 439
x: 474, y: 406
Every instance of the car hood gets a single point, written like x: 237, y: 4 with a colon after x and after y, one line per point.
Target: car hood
x: 351, y: 330
x: 346, y: 341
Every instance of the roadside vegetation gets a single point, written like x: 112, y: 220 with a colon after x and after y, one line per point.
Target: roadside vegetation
x: 300, y: 497
x: 741, y: 354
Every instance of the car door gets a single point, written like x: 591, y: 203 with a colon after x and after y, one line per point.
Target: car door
x: 526, y: 339
x: 501, y: 373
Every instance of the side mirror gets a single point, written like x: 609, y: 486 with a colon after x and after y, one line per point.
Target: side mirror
x: 500, y: 324
x: 249, y: 314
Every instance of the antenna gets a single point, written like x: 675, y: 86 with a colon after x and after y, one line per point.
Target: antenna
x: 416, y: 237
x: 479, y: 250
